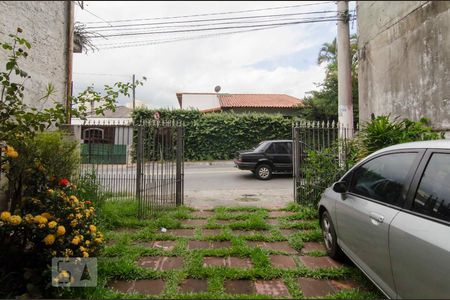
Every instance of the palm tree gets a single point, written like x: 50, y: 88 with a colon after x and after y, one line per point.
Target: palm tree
x: 328, y: 52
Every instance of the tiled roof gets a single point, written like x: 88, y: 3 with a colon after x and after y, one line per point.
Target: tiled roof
x: 258, y: 100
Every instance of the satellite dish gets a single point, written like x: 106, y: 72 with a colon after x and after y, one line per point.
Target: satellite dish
x: 217, y: 88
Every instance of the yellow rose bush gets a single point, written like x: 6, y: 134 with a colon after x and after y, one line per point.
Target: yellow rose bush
x: 54, y: 223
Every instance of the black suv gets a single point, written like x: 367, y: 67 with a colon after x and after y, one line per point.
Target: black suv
x: 267, y: 158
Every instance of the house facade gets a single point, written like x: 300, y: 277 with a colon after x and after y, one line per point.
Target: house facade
x: 404, y: 60
x: 105, y: 139
x: 48, y: 26
x: 240, y: 103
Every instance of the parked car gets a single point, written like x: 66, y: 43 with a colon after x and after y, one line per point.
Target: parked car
x: 390, y: 214
x: 267, y: 158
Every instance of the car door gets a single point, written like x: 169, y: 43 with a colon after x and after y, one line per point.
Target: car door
x: 420, y: 235
x: 284, y: 156
x: 376, y: 193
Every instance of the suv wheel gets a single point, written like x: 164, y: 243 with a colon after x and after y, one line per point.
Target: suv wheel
x: 329, y: 236
x: 264, y: 172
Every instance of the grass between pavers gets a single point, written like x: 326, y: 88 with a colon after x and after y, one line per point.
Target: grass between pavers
x: 118, y: 261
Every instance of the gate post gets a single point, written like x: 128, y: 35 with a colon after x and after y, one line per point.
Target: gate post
x: 297, y: 157
x: 179, y: 168
x: 139, y: 168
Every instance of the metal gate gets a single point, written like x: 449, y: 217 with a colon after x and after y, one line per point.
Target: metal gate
x: 320, y: 151
x: 143, y: 162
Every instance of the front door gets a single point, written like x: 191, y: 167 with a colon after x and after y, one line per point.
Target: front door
x: 376, y: 191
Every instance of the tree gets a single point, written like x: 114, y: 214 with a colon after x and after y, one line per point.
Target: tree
x: 322, y: 104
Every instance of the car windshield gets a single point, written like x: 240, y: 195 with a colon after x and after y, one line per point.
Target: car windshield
x: 260, y: 146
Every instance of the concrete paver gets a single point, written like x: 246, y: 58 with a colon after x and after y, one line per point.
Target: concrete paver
x: 275, y: 288
x: 161, y: 263
x: 282, y: 261
x: 313, y: 262
x: 193, y: 286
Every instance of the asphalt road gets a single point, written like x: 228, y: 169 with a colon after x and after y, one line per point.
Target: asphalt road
x: 208, y: 185
x: 221, y: 184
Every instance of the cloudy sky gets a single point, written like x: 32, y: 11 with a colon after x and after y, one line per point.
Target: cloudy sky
x: 279, y: 60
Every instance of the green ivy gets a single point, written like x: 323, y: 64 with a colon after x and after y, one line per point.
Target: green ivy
x: 216, y: 136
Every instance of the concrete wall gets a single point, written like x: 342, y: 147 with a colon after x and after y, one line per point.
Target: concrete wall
x: 200, y: 102
x: 44, y: 25
x: 404, y: 66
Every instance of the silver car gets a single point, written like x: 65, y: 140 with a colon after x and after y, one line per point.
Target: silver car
x: 390, y: 214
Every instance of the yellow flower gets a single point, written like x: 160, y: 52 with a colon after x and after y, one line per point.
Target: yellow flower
x: 41, y: 226
x: 82, y: 249
x: 73, y: 198
x: 71, y: 216
x: 46, y: 215
x: 92, y: 228
x: 85, y: 254
x: 68, y: 252
x: 98, y: 240
x: 49, y: 239
x: 75, y: 240
x: 5, y: 216
x: 15, y: 220
x: 88, y: 242
x: 52, y: 224
x: 50, y: 191
x: 78, y: 216
x: 61, y: 230
x: 28, y: 218
x: 11, y: 152
x: 74, y: 223
x: 88, y: 213
x: 40, y: 219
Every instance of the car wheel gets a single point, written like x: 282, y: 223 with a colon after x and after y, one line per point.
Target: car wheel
x: 329, y: 236
x: 264, y: 172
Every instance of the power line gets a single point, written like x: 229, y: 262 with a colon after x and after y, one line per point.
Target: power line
x: 208, y: 24
x: 219, y: 28
x: 104, y: 21
x: 163, y: 41
x: 215, y: 14
x: 102, y: 74
x: 209, y: 20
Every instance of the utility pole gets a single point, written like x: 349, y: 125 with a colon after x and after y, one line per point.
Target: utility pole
x: 345, y: 101
x: 134, y: 91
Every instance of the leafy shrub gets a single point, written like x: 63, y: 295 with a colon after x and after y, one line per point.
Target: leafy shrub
x: 381, y: 132
x: 40, y: 158
x: 53, y: 223
x: 219, y: 135
x: 322, y: 168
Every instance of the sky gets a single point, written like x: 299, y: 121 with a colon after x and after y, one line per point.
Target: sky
x: 280, y: 60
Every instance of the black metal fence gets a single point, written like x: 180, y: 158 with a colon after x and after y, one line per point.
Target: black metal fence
x: 320, y: 157
x: 134, y: 161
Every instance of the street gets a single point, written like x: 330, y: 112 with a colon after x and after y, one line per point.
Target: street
x: 221, y: 184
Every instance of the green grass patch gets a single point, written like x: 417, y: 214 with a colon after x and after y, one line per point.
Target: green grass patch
x: 119, y: 260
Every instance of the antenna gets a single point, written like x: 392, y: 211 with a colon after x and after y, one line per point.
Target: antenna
x: 217, y: 88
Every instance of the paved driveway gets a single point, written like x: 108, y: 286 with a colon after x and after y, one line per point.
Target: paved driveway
x: 208, y: 185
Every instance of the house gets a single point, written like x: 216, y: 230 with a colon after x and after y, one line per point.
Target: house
x: 404, y: 61
x: 105, y: 139
x: 240, y: 103
x: 49, y: 27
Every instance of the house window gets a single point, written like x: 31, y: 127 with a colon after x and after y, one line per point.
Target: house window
x: 93, y: 134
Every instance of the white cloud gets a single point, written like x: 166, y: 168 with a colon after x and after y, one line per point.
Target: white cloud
x: 200, y: 65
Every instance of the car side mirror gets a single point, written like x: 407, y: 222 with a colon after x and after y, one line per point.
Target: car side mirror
x: 340, y: 187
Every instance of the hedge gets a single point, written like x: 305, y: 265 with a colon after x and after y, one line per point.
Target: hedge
x: 216, y: 136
